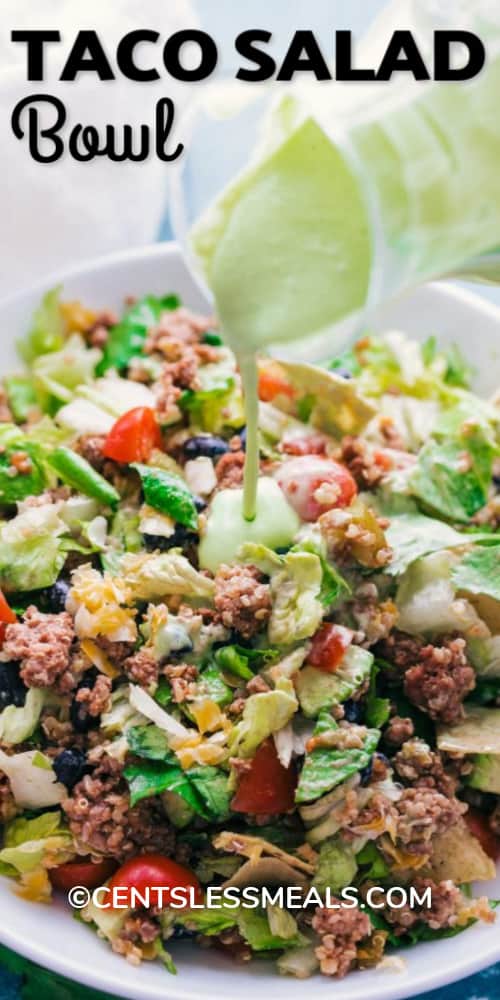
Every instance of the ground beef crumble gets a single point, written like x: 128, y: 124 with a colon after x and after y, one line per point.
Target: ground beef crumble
x: 340, y: 931
x: 446, y: 900
x: 242, y: 599
x: 399, y: 729
x: 96, y: 699
x: 182, y: 677
x: 421, y: 814
x: 375, y: 618
x: 42, y: 642
x: 142, y: 667
x: 138, y: 930
x: 441, y: 680
x: 229, y: 470
x: 436, y: 678
x: 358, y: 456
x: 421, y: 767
x: 102, y: 821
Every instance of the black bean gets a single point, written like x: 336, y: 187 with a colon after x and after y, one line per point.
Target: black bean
x: 343, y: 372
x: 366, y: 773
x: 352, y: 711
x: 242, y: 434
x: 78, y: 711
x: 53, y: 599
x: 180, y: 537
x: 199, y: 503
x: 205, y: 445
x: 69, y: 766
x: 12, y: 689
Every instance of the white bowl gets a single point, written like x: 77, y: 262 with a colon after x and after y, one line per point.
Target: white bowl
x: 50, y: 936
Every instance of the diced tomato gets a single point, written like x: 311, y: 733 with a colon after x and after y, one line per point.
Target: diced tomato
x: 272, y: 383
x: 133, y: 436
x: 266, y: 787
x: 7, y: 616
x: 149, y: 871
x: 313, y: 485
x: 83, y: 872
x: 480, y: 828
x: 329, y: 644
x: 306, y: 444
x: 383, y: 459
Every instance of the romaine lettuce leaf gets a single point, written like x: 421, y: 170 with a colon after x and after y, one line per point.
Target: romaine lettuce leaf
x: 47, y: 328
x: 336, y: 866
x: 204, y: 789
x: 168, y: 494
x: 479, y: 572
x: 152, y: 576
x: 263, y: 715
x: 452, y: 477
x: 58, y: 373
x: 218, y: 402
x: 19, y: 723
x: 426, y: 599
x: 295, y: 591
x: 21, y: 396
x: 253, y: 925
x: 27, y: 841
x: 126, y: 339
x: 414, y: 535
x: 317, y: 689
x: 326, y: 767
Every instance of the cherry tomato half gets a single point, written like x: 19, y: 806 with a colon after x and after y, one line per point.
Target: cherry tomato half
x: 149, y: 871
x: 479, y: 827
x: 133, y: 436
x: 267, y: 786
x: 273, y: 382
x: 313, y: 485
x: 83, y: 872
x: 7, y: 616
x: 328, y: 647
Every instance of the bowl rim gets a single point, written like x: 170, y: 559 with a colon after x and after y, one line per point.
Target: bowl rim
x: 66, y: 964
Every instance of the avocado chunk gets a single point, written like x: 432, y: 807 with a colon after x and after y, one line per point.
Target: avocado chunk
x: 317, y: 689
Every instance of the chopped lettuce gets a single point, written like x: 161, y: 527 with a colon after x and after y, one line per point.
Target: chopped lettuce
x: 484, y: 655
x: 47, y: 328
x: 377, y: 710
x: 58, y: 373
x: 317, y: 689
x: 426, y: 599
x: 326, y: 767
x: 31, y: 550
x: 152, y: 576
x: 452, y: 477
x: 479, y: 572
x: 33, y: 786
x: 299, y: 962
x: 295, y: 590
x: 19, y: 723
x: 16, y: 485
x: 218, y: 402
x: 126, y: 338
x: 168, y: 494
x: 263, y: 715
x: 414, y: 535
x: 336, y: 866
x: 254, y: 926
x: 28, y: 841
x: 21, y: 396
x: 204, y: 789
